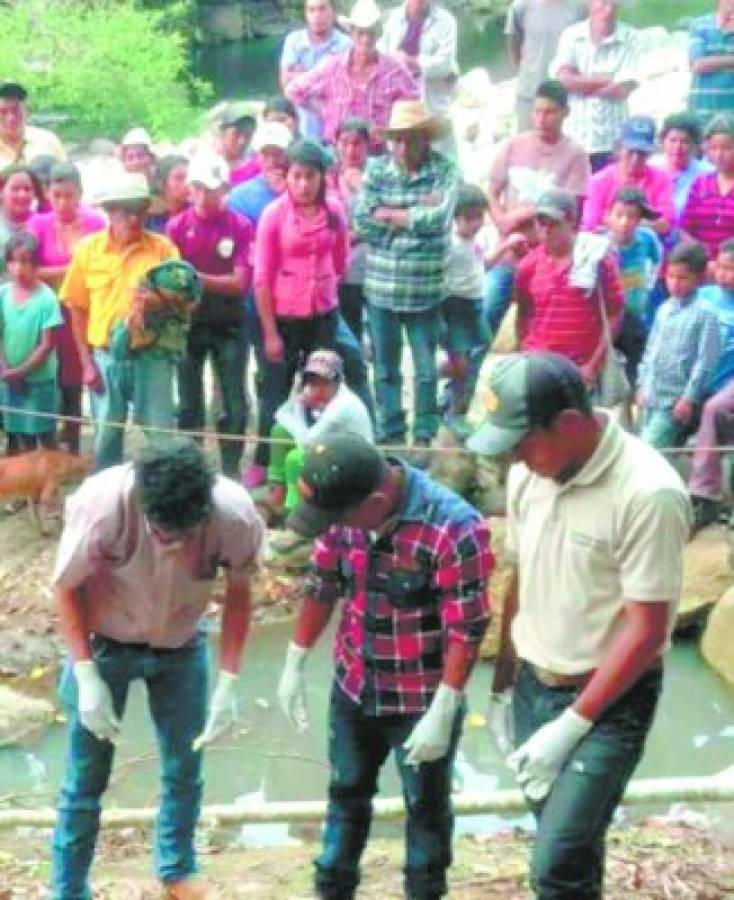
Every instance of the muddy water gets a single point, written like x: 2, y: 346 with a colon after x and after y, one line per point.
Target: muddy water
x: 264, y: 758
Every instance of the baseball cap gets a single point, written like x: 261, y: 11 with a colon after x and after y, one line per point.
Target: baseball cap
x: 271, y: 134
x: 11, y: 90
x: 636, y: 197
x: 638, y: 133
x: 338, y: 473
x: 526, y: 391
x: 137, y: 137
x: 209, y: 170
x: 239, y: 112
x: 325, y: 364
x: 556, y: 204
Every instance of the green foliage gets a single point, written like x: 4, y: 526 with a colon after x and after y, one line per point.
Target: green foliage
x: 102, y: 67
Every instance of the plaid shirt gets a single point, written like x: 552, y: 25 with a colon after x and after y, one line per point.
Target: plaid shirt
x: 339, y: 96
x: 711, y: 92
x: 405, y: 266
x: 420, y: 585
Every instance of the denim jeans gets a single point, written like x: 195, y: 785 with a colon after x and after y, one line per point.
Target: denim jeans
x: 176, y: 681
x: 717, y: 428
x: 660, y: 429
x: 498, y: 285
x: 143, y: 380
x: 226, y: 345
x: 351, y: 305
x: 358, y: 747
x: 568, y: 856
x: 422, y: 329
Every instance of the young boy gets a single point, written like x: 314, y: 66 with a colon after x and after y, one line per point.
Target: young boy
x: 320, y: 405
x: 639, y: 254
x: 462, y: 308
x: 717, y: 415
x: 681, y: 354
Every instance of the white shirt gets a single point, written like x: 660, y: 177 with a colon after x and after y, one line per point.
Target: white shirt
x: 614, y: 533
x: 594, y: 122
x: 437, y: 58
x: 345, y: 412
x: 464, y: 273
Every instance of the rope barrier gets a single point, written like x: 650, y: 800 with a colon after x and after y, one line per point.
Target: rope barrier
x: 89, y: 423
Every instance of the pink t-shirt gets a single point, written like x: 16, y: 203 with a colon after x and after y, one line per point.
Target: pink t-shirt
x: 302, y: 260
x: 656, y: 185
x: 54, y: 252
x: 523, y: 161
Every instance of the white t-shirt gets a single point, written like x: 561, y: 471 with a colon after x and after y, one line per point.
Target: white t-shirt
x: 614, y: 533
x: 464, y: 268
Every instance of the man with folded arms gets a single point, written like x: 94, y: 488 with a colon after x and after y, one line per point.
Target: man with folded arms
x: 596, y: 524
x: 411, y: 561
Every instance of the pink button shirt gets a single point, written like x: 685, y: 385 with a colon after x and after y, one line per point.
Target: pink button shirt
x: 655, y: 184
x: 339, y: 96
x: 135, y: 590
x: 302, y: 260
x: 55, y: 252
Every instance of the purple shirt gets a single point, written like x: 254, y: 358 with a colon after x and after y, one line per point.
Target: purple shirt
x: 708, y: 215
x: 214, y: 246
x: 655, y: 184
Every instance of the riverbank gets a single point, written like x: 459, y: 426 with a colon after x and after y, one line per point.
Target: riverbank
x: 651, y: 862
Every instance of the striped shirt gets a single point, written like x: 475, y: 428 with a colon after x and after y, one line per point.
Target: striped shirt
x: 711, y: 92
x: 408, y: 594
x: 708, y: 215
x: 557, y: 316
x: 405, y: 266
x: 681, y: 353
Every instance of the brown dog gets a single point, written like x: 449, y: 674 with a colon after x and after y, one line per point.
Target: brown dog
x: 36, y: 477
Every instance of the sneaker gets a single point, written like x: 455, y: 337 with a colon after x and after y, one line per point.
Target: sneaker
x: 705, y: 513
x: 254, y: 476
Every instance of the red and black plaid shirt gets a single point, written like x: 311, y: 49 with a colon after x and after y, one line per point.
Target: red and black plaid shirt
x: 407, y: 594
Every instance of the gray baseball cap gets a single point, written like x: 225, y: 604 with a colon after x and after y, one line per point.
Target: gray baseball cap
x: 557, y: 205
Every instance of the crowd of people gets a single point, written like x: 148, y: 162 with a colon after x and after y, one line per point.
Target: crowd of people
x: 317, y: 235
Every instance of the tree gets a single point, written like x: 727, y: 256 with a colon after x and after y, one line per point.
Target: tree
x: 98, y: 68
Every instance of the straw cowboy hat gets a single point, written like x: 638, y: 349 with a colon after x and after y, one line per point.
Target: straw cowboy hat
x: 365, y: 14
x: 413, y: 115
x: 124, y: 187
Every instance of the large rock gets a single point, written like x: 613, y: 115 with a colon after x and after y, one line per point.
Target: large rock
x: 706, y: 574
x: 21, y: 714
x: 717, y: 644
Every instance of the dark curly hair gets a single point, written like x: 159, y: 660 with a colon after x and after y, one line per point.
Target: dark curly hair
x: 174, y: 483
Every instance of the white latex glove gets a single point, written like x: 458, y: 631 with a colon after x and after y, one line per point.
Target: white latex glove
x: 429, y: 740
x: 292, y: 686
x: 222, y: 711
x: 94, y: 702
x: 499, y: 721
x: 540, y: 759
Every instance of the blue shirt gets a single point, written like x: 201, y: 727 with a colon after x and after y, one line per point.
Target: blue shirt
x: 639, y: 264
x: 299, y: 51
x: 712, y: 92
x: 721, y: 304
x: 681, y: 353
x: 251, y: 198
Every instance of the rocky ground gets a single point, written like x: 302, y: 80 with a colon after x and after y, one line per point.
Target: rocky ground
x: 655, y: 862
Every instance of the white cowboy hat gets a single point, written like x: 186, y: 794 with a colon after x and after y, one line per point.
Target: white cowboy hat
x: 124, y: 187
x: 271, y: 134
x: 413, y: 115
x: 137, y: 137
x: 365, y: 14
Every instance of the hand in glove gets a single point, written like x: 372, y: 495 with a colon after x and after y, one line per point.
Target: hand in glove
x: 499, y: 721
x: 540, y: 759
x: 94, y: 702
x: 429, y: 740
x: 292, y: 687
x: 222, y: 711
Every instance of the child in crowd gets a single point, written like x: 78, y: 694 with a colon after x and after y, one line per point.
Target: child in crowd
x: 681, y: 354
x: 320, y: 405
x: 717, y: 415
x: 640, y: 255
x: 29, y: 317
x: 462, y: 308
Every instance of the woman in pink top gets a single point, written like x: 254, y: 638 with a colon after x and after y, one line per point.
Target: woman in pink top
x: 301, y: 255
x: 632, y: 169
x: 58, y: 232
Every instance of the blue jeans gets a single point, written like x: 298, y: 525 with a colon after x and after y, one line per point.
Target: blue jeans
x: 422, y: 329
x: 176, y: 681
x: 226, y: 345
x: 568, y: 855
x: 498, y: 284
x: 143, y: 380
x: 358, y: 747
x: 662, y: 430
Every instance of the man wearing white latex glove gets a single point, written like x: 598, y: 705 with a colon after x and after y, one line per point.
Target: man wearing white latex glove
x: 95, y: 702
x: 292, y: 686
x: 499, y: 721
x: 140, y: 549
x: 410, y: 561
x: 596, y: 524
